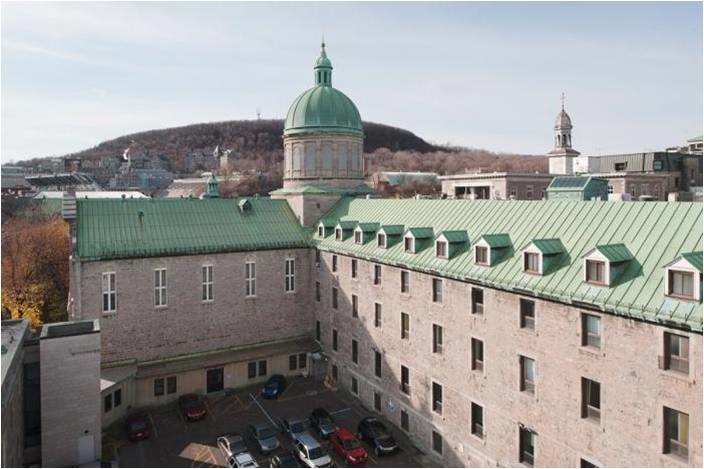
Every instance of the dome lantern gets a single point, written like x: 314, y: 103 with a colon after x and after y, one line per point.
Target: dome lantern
x: 323, y: 68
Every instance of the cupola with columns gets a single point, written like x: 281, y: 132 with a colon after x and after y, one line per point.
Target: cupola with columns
x: 562, y: 156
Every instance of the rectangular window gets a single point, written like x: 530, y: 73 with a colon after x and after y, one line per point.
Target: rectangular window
x: 302, y: 360
x: 357, y: 237
x: 676, y: 433
x: 354, y: 268
x: 381, y: 240
x: 171, y: 385
x: 405, y: 424
x: 477, y: 418
x: 405, y: 281
x: 681, y: 284
x: 377, y: 401
x: 159, y: 287
x: 437, y: 339
x: 107, y: 403
x: 290, y: 275
x: 441, y: 249
x: 596, y: 272
x: 477, y: 354
x: 207, y: 283
x: 437, y: 442
x: 355, y: 306
x: 354, y: 387
x: 527, y: 446
x: 676, y: 353
x: 408, y: 244
x: 334, y: 297
x: 317, y: 258
x: 531, y: 262
x: 527, y: 374
x: 405, y: 326
x: 292, y: 362
x: 117, y: 398
x: 377, y: 364
x: 477, y: 301
x: 250, y: 278
x: 321, y: 231
x: 591, y: 399
x: 437, y: 398
x: 317, y: 331
x: 334, y: 263
x: 527, y: 312
x: 481, y: 255
x: 109, y: 293
x: 338, y: 234
x: 334, y: 372
x: 591, y: 330
x: 405, y: 381
x: 377, y: 274
x: 262, y: 367
x: 252, y: 370
x: 158, y: 387
x: 355, y: 352
x: 317, y: 292
x: 437, y: 290
x: 334, y: 339
x: 377, y: 314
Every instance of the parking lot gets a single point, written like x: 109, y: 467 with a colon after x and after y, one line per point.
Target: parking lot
x: 177, y: 443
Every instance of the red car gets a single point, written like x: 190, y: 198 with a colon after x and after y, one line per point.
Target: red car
x: 349, y: 447
x: 137, y: 428
x: 192, y: 406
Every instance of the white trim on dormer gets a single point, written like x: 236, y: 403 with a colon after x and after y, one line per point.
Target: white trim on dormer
x: 410, y: 236
x: 442, y: 239
x: 321, y: 230
x: 531, y: 249
x: 596, y: 255
x: 358, y: 231
x: 386, y: 239
x: 338, y: 233
x: 483, y: 244
x: 683, y: 265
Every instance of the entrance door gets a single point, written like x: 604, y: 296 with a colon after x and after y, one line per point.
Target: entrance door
x: 216, y: 380
x: 86, y: 449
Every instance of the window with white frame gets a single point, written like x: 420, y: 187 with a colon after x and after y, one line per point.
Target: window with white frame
x: 381, y: 240
x: 531, y: 262
x: 527, y: 374
x: 680, y: 283
x: 441, y: 249
x: 676, y: 433
x: 481, y: 255
x: 409, y: 244
x: 591, y: 330
x: 159, y: 287
x: 358, y: 236
x: 207, y: 283
x: 250, y: 278
x: 676, y: 352
x: 338, y: 234
x: 109, y: 293
x: 437, y: 290
x: 595, y: 271
x: 290, y: 275
x: 321, y: 231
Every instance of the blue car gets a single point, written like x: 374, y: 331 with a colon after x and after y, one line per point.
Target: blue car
x: 274, y: 387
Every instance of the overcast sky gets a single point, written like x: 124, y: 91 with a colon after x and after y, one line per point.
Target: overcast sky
x: 480, y: 75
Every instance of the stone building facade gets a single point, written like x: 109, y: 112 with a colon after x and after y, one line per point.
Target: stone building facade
x: 506, y: 186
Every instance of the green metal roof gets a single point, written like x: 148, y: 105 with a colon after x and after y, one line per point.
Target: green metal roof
x: 393, y: 230
x: 347, y: 224
x: 367, y: 227
x: 568, y: 182
x: 421, y: 233
x: 615, y: 252
x: 655, y: 232
x: 124, y: 228
x: 327, y: 222
x: 455, y: 236
x: 694, y: 258
x: 499, y: 240
x: 548, y: 246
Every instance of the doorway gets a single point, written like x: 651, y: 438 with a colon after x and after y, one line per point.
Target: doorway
x: 215, y: 380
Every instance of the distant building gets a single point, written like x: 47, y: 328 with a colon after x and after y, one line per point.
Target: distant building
x: 145, y: 180
x: 577, y: 188
x: 562, y: 157
x: 694, y: 145
x: 476, y: 186
x: 385, y: 181
x: 63, y: 182
x: 14, y: 182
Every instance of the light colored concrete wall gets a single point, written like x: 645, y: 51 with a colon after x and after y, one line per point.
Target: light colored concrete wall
x: 633, y: 388
x: 309, y: 208
x: 70, y: 396
x: 139, y: 331
x: 330, y: 159
x: 13, y: 413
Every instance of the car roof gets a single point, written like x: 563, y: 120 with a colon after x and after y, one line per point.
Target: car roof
x: 344, y: 433
x: 308, y: 440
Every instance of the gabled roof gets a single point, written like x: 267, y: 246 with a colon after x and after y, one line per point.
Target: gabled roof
x: 393, y: 230
x: 548, y: 246
x: 694, y: 259
x: 347, y: 224
x: 455, y: 236
x: 327, y: 222
x: 655, y: 233
x: 421, y: 233
x: 496, y: 241
x: 367, y: 227
x: 614, y: 252
x: 125, y: 228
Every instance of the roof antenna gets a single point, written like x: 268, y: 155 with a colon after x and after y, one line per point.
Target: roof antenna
x: 562, y: 98
x: 322, y: 42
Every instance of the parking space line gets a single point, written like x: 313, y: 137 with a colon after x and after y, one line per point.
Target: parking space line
x: 371, y: 458
x: 210, y: 412
x: 151, y: 419
x: 346, y: 409
x: 264, y: 411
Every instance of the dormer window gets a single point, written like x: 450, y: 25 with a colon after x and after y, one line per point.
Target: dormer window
x: 531, y: 262
x: 381, y: 240
x: 321, y: 231
x: 409, y: 244
x: 680, y: 284
x: 683, y: 277
x: 357, y: 236
x: 441, y: 249
x: 481, y: 255
x: 604, y: 264
x: 596, y: 272
x: 543, y: 256
x: 338, y: 234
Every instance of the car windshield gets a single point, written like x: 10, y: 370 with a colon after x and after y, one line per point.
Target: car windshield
x: 315, y: 453
x: 237, y: 445
x: 138, y: 425
x: 350, y: 443
x: 377, y: 428
x: 325, y: 421
x: 264, y: 433
x: 386, y: 441
x: 298, y: 427
x: 195, y: 402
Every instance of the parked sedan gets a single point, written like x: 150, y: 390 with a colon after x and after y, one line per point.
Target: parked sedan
x: 344, y: 442
x: 264, y: 436
x: 242, y: 460
x: 294, y: 427
x: 274, y: 386
x: 322, y: 421
x: 192, y: 406
x: 284, y: 460
x: 137, y: 428
x: 373, y: 431
x: 231, y: 444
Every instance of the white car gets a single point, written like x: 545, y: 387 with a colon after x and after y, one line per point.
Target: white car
x: 231, y: 445
x: 310, y: 453
x: 242, y: 460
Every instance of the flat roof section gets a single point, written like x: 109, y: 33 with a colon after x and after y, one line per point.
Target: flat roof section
x: 70, y: 328
x: 13, y: 334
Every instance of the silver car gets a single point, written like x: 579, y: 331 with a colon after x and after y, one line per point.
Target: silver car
x: 264, y: 436
x: 231, y: 445
x: 295, y: 427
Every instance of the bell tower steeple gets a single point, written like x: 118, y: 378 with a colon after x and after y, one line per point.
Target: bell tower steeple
x: 562, y: 156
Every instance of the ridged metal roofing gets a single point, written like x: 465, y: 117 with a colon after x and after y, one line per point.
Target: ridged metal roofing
x: 114, y: 229
x: 694, y: 258
x: 393, y: 230
x: 421, y: 233
x: 455, y: 236
x: 367, y: 227
x: 548, y: 246
x: 498, y: 240
x: 615, y: 252
x: 655, y: 232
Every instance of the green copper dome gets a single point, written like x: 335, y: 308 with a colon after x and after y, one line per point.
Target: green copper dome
x: 323, y: 108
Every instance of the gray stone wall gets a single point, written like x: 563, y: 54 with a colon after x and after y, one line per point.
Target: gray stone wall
x: 13, y: 413
x: 633, y: 387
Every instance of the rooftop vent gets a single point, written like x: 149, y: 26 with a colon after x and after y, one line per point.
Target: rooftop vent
x: 245, y: 205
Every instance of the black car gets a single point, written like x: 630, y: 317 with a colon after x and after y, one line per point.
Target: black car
x: 322, y: 421
x: 274, y: 386
x: 375, y: 433
x: 284, y: 460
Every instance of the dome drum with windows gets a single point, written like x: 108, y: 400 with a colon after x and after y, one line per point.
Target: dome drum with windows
x: 323, y: 136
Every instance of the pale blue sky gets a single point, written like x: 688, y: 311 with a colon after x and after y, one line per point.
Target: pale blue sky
x: 485, y: 75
